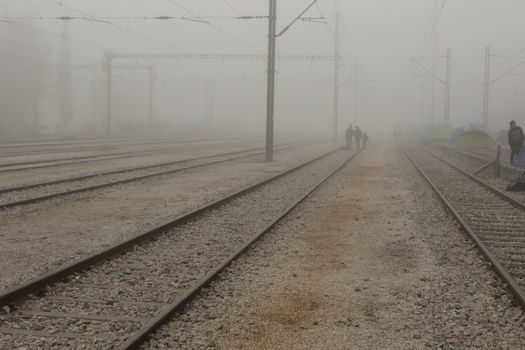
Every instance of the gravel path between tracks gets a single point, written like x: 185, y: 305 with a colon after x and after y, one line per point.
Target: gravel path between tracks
x: 371, y: 261
x: 58, y: 231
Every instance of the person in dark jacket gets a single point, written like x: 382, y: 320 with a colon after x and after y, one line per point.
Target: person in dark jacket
x: 349, y: 134
x: 516, y: 140
x: 358, y: 135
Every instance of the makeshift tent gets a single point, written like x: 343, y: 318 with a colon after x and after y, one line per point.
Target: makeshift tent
x: 441, y: 132
x: 475, y: 139
x: 455, y: 136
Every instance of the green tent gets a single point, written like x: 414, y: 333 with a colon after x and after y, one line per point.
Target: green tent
x: 475, y: 139
x: 441, y: 132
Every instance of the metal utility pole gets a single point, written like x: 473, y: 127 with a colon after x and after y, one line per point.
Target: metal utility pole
x: 210, y: 105
x: 448, y: 85
x: 270, y: 95
x: 65, y: 82
x: 109, y: 83
x: 434, y: 64
x: 486, y: 89
x: 152, y: 78
x: 336, y: 76
x: 422, y: 103
x: 356, y: 85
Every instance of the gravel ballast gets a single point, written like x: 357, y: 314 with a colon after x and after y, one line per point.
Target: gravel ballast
x: 72, y: 168
x: 371, y: 261
x: 52, y: 233
x: 157, y: 272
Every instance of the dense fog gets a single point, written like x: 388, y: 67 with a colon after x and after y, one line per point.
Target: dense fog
x: 53, y: 75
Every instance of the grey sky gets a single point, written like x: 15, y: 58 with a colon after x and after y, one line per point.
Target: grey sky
x: 382, y: 34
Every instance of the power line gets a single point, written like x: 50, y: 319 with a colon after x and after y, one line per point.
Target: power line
x: 434, y: 27
x: 112, y: 25
x: 331, y: 31
x: 427, y: 27
x: 496, y: 67
x: 77, y: 41
x: 103, y: 19
x: 173, y: 2
x: 240, y: 15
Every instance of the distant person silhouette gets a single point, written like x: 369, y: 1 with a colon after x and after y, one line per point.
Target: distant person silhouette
x: 349, y: 133
x: 365, y: 140
x: 358, y: 135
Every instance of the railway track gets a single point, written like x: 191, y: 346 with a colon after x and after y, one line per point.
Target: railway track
x: 26, y: 165
x: 29, y: 148
x: 46, y: 163
x: 477, y: 164
x: 35, y: 193
x: 492, y: 219
x: 115, y: 298
x: 467, y: 162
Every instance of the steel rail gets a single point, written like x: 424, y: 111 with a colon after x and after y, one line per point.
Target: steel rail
x: 476, y: 179
x: 57, y: 152
x: 251, y: 153
x: 183, y: 300
x: 496, y: 265
x: 77, y: 148
x: 473, y: 156
x: 34, y: 285
x: 107, y: 142
x: 79, y: 142
x: 82, y: 159
x: 96, y: 157
x: 484, y: 167
x: 119, y: 171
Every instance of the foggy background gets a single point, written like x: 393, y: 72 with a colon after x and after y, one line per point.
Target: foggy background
x: 44, y: 92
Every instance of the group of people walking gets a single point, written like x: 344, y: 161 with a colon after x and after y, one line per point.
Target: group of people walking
x: 359, y: 137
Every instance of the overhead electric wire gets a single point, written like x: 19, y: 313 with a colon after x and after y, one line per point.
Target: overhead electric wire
x: 496, y: 67
x: 61, y: 36
x: 427, y: 27
x: 240, y: 15
x: 436, y: 22
x: 111, y: 25
x: 507, y: 72
x: 331, y: 31
x: 175, y: 3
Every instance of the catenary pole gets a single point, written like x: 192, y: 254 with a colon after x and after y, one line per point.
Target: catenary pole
x: 486, y: 89
x: 434, y: 66
x: 448, y: 86
x: 336, y: 76
x: 152, y: 78
x: 109, y: 83
x: 270, y: 95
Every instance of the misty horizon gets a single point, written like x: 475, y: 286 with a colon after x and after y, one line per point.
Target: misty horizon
x: 379, y: 39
